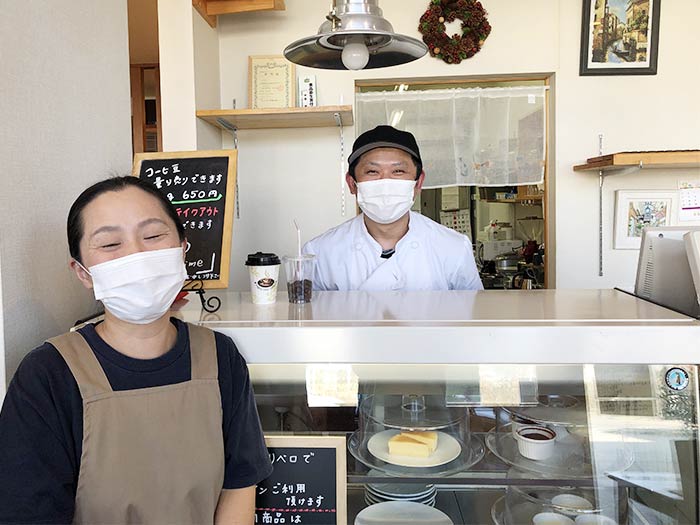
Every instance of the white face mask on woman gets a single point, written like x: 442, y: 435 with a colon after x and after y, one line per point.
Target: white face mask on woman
x: 139, y: 288
x: 385, y: 200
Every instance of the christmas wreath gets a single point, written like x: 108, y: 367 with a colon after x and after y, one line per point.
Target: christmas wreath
x: 475, y: 29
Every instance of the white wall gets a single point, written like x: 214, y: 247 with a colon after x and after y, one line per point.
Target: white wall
x: 294, y: 173
x: 2, y: 339
x: 65, y: 124
x: 206, y: 79
x: 177, y: 95
x: 634, y: 113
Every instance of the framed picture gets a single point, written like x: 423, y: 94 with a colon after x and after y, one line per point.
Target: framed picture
x: 271, y: 82
x: 636, y: 209
x: 619, y: 37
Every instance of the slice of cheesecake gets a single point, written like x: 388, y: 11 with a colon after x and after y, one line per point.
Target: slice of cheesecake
x: 429, y: 437
x: 403, y: 445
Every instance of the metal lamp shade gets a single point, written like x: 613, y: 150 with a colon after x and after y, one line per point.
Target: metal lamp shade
x: 355, y: 20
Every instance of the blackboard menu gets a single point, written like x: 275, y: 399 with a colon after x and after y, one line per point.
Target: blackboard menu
x: 200, y: 186
x: 307, y: 485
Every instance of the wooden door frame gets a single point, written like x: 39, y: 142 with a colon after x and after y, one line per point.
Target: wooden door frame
x: 138, y: 108
x: 548, y: 200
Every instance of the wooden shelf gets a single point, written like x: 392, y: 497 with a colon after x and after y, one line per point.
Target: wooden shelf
x: 210, y: 9
x: 646, y: 159
x: 313, y: 117
x: 518, y: 200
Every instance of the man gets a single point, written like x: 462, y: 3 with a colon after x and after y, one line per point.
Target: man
x: 388, y: 247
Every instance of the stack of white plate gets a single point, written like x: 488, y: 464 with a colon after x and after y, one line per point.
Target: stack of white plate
x: 401, y: 512
x: 417, y: 493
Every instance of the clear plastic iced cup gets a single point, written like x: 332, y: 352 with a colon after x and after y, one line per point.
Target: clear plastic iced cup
x: 300, y: 272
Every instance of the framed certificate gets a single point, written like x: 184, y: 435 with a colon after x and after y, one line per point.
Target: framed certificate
x: 270, y: 82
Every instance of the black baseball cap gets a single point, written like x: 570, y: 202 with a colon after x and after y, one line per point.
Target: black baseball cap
x: 384, y: 137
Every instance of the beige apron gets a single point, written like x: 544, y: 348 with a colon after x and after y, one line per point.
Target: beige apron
x: 152, y: 455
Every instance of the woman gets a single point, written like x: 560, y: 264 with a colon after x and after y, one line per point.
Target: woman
x: 140, y: 418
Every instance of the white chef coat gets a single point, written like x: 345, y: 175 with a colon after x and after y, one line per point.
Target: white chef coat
x: 429, y: 257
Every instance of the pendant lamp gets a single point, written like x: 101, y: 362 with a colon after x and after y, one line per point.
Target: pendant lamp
x: 355, y: 36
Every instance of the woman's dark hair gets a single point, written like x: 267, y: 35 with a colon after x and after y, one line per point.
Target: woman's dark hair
x: 75, y: 215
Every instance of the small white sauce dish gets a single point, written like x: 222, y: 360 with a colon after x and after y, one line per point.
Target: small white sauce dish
x: 535, y: 442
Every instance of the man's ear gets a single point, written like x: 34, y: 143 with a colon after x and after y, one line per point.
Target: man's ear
x: 419, y: 183
x: 83, y: 276
x: 352, y: 183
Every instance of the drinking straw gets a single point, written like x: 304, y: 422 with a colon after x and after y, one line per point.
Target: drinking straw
x: 297, y: 266
x: 298, y: 238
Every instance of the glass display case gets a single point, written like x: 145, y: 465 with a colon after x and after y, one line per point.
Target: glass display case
x: 541, y: 407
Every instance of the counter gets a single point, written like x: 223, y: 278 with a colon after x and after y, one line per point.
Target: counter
x: 612, y: 377
x: 538, y: 326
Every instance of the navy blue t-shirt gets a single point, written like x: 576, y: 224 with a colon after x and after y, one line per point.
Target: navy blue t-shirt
x: 41, y: 422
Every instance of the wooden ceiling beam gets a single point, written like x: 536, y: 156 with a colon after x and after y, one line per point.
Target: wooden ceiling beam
x: 201, y: 7
x: 210, y: 9
x: 225, y: 7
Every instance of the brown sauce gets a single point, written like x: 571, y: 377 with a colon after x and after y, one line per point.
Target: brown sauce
x: 538, y: 437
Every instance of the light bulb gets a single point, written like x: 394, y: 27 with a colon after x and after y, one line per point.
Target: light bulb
x: 355, y: 54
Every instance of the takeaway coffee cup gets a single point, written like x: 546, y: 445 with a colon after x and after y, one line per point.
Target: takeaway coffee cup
x: 264, y: 271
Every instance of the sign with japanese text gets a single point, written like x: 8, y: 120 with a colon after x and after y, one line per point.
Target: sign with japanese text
x: 308, y: 483
x: 200, y: 185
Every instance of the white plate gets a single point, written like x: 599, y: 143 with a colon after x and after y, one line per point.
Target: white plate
x: 418, y: 499
x: 448, y: 448
x: 430, y: 502
x: 401, y: 513
x: 378, y: 499
x: 389, y: 497
x: 400, y: 490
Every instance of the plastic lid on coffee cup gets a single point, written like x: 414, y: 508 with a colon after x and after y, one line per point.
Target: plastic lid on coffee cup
x: 262, y: 259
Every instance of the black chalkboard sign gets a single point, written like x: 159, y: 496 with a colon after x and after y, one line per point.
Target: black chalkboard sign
x: 200, y: 185
x: 308, y: 484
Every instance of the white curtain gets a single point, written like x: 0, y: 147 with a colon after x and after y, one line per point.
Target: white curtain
x: 467, y: 137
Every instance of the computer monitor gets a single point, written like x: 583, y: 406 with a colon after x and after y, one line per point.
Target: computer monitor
x: 663, y: 272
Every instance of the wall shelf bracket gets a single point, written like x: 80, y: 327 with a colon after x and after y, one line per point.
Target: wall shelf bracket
x: 339, y: 123
x: 234, y: 131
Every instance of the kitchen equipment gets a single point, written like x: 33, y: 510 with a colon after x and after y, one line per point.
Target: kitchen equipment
x: 507, y: 263
x: 525, y: 278
x: 531, y: 228
x: 488, y: 250
x: 531, y: 248
x: 498, y: 231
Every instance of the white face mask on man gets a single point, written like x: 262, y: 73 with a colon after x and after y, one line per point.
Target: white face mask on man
x: 139, y: 288
x: 385, y: 200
